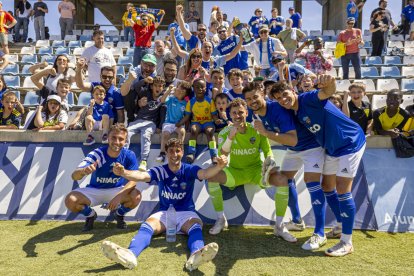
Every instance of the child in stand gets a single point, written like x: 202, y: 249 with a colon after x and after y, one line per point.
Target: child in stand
x: 52, y: 117
x: 217, y: 83
x: 222, y: 102
x: 203, y: 113
x: 175, y: 103
x: 98, y: 115
x: 10, y: 117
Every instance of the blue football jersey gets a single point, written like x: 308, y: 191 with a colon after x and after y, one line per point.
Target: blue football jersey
x: 175, y: 188
x: 334, y: 131
x: 306, y: 140
x: 277, y: 118
x: 103, y: 177
x: 225, y: 47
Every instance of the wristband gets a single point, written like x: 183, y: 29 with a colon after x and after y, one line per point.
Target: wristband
x: 227, y: 145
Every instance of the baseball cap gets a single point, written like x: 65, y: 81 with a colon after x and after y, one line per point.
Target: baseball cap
x: 349, y: 19
x: 150, y: 58
x: 278, y: 57
x: 55, y: 97
x: 268, y: 82
x: 263, y: 27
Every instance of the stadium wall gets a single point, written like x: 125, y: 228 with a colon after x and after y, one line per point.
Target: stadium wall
x: 35, y: 177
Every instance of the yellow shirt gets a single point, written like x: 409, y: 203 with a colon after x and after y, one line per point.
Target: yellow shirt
x: 201, y: 111
x: 125, y: 18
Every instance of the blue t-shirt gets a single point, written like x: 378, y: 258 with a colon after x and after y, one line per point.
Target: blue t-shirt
x: 175, y: 188
x: 101, y: 109
x: 113, y: 97
x: 348, y: 10
x: 408, y: 13
x: 209, y: 90
x: 225, y: 47
x: 175, y: 110
x: 178, y: 33
x: 306, y: 140
x: 194, y: 42
x: 103, y: 177
x: 255, y: 27
x: 276, y: 30
x: 334, y: 131
x: 218, y: 61
x: 277, y: 118
x: 295, y: 71
x: 296, y: 18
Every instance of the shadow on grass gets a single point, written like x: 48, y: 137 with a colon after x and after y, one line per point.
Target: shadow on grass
x: 100, y: 232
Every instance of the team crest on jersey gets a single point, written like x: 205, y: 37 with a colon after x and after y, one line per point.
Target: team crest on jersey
x: 252, y: 140
x: 220, y: 140
x: 206, y: 110
x: 110, y: 100
x: 183, y: 185
x: 306, y: 119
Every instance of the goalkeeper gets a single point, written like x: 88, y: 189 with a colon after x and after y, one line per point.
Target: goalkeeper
x: 244, y: 144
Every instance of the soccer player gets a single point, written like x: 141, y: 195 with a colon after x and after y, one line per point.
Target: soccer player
x: 344, y: 144
x: 175, y: 182
x: 105, y: 187
x: 243, y: 143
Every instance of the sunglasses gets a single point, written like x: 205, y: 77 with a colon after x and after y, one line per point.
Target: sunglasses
x: 220, y: 32
x: 62, y: 59
x: 263, y: 32
x: 202, y: 30
x: 196, y: 56
x: 107, y: 77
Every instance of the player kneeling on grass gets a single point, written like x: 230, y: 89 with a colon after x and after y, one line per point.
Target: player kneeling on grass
x: 105, y: 186
x: 243, y: 143
x: 97, y: 116
x: 175, y: 182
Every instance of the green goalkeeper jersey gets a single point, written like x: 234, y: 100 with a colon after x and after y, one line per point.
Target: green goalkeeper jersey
x: 245, y: 148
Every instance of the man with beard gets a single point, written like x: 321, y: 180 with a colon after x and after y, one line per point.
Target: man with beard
x: 113, y: 97
x: 192, y: 40
x: 161, y: 54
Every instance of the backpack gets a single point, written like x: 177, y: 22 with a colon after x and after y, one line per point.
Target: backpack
x: 340, y: 50
x: 395, y: 51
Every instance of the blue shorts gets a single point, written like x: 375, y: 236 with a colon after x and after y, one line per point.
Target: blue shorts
x: 203, y: 126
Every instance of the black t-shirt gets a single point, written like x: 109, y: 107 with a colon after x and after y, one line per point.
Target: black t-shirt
x: 387, y: 18
x: 38, y: 12
x: 379, y: 33
x: 361, y: 115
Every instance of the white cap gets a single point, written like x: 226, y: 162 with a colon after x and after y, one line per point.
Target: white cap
x: 54, y: 97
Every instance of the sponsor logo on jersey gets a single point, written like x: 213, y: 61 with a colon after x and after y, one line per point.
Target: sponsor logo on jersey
x: 252, y: 140
x: 228, y: 47
x: 105, y: 180
x: 243, y: 151
x: 306, y: 119
x: 171, y: 195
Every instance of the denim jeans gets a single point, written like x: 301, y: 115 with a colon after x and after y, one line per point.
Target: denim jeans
x: 129, y: 35
x: 66, y: 27
x: 146, y: 129
x: 39, y: 26
x: 139, y: 52
x: 22, y: 22
x: 356, y: 63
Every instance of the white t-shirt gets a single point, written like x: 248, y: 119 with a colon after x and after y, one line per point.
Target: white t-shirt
x: 52, y: 81
x: 56, y: 119
x: 96, y: 59
x: 253, y: 48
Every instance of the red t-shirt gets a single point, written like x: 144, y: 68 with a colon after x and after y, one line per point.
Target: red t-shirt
x: 345, y: 35
x: 4, y: 18
x: 143, y: 35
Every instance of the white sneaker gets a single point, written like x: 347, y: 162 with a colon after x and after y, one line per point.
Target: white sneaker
x: 119, y: 254
x: 340, y: 249
x: 314, y: 242
x: 293, y: 226
x: 283, y: 232
x: 204, y: 255
x: 335, y: 232
x: 220, y: 224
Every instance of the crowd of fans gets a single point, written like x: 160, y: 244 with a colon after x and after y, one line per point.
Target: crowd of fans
x: 187, y: 81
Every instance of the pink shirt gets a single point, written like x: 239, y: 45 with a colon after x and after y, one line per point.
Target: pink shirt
x: 66, y: 9
x: 345, y: 35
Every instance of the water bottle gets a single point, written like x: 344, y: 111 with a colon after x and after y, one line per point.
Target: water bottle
x: 171, y: 224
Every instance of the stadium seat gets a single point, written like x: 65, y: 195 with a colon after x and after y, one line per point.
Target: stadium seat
x: 45, y: 50
x: 70, y: 37
x: 407, y: 85
x: 390, y: 72
x: 332, y: 72
x: 120, y: 71
x: 409, y: 51
x: 407, y: 71
x: 77, y: 32
x: 54, y: 37
x: 328, y: 33
x: 385, y: 85
x: 373, y: 61
x: 28, y: 59
x: 300, y: 61
x: 17, y: 93
x: 58, y: 43
x: 29, y: 118
x: 42, y: 43
x: 108, y: 44
x: 62, y: 51
x: 336, y: 62
x: 87, y: 32
x: 369, y: 72
x: 125, y: 60
x: 13, y: 82
x: 71, y: 98
x: 13, y: 57
x: 407, y: 100
x: 116, y: 51
x: 367, y: 38
x: 330, y: 44
x: 409, y: 44
x: 378, y: 101
x: 392, y: 60
x: 28, y: 84
x: 78, y: 51
x: 398, y: 37
x: 351, y: 72
x: 369, y: 85
x: 11, y: 69
x: 31, y: 99
x: 74, y: 44
x: 84, y: 38
x: 48, y: 58
x: 394, y: 43
x: 363, y: 52
x: 408, y: 60
x: 113, y: 33
x: 342, y: 85
x: 123, y: 44
x: 89, y: 44
x: 28, y: 50
x: 367, y: 44
x: 84, y: 99
x: 25, y: 70
x: 315, y: 33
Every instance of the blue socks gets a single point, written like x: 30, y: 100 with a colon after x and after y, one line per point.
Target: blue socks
x: 333, y: 202
x: 142, y: 239
x: 122, y: 210
x: 347, y: 207
x: 195, y: 238
x: 293, y: 202
x: 319, y: 206
x: 87, y: 211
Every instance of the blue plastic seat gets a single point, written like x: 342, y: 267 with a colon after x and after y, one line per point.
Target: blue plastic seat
x: 120, y: 71
x: 45, y: 50
x: 392, y: 60
x: 62, y: 51
x: 31, y: 99
x: 369, y: 72
x: 11, y: 69
x: 130, y: 52
x: 74, y: 44
x: 407, y: 85
x: 390, y: 72
x: 71, y: 99
x: 48, y: 58
x: 13, y: 82
x: 84, y: 99
x: 28, y: 59
x: 373, y: 61
x: 125, y: 60
x: 58, y: 43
